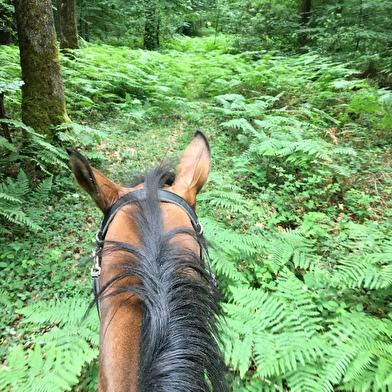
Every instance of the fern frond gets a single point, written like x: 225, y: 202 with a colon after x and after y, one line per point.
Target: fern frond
x: 344, y: 151
x: 19, y: 217
x: 368, y: 271
x: 5, y: 144
x: 5, y: 197
x: 5, y: 298
x: 224, y: 247
x: 307, y: 379
x: 16, y: 188
x: 232, y: 201
x: 339, y: 169
x: 12, y: 373
x: 16, y: 198
x: 66, y: 138
x: 83, y: 135
x: 58, y: 356
x: 42, y: 312
x: 48, y: 155
x: 54, y: 365
x: 289, y: 246
x: 239, y: 123
x: 338, y: 361
x: 227, y: 100
x: 229, y: 242
x: 41, y: 191
x: 238, y: 345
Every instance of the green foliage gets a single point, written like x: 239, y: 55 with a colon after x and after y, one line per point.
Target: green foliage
x: 292, y: 316
x: 297, y: 210
x: 119, y: 22
x: 357, y: 31
x: 132, y: 84
x: 81, y: 136
x: 10, y: 87
x: 56, y: 357
x: 295, y: 298
x: 31, y: 148
x: 259, y: 25
x: 357, y: 26
x: 17, y: 201
x: 29, y: 153
x: 304, y: 153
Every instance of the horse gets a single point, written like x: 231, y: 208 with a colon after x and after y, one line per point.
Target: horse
x: 155, y: 291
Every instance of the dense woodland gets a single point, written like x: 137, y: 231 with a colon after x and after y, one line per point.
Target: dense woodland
x: 295, y: 97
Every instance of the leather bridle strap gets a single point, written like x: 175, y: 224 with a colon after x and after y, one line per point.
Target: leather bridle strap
x: 139, y: 195
x: 133, y: 197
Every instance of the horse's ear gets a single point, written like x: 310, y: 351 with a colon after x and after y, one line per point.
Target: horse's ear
x: 104, y: 191
x: 193, y: 170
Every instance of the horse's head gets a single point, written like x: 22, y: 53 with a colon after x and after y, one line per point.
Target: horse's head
x: 151, y: 249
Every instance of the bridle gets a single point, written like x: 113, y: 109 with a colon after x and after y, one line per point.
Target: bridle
x: 133, y: 197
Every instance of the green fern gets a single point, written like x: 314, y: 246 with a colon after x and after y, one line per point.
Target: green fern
x: 5, y: 144
x: 284, y: 339
x: 239, y: 123
x: 272, y: 136
x: 13, y: 198
x: 372, y: 347
x: 368, y: 264
x: 82, y: 136
x: 57, y: 357
x: 278, y: 334
x: 227, y: 101
x: 278, y: 340
x: 229, y: 200
x: 289, y: 247
x: 227, y: 248
x: 5, y: 299
x: 291, y: 142
x: 35, y: 149
x: 370, y: 272
x: 281, y: 333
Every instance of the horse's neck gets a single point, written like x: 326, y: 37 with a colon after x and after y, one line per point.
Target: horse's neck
x: 119, y: 343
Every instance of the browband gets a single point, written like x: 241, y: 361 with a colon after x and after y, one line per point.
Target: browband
x: 139, y: 195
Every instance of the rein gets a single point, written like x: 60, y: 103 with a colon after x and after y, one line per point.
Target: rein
x: 133, y: 197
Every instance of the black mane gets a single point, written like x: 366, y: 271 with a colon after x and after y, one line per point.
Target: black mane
x: 178, y: 342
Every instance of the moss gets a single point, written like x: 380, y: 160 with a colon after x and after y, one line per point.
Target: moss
x: 43, y: 102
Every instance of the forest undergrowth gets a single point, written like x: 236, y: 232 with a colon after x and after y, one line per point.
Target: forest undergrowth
x: 298, y: 208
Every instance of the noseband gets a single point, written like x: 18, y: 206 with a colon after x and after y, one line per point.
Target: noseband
x: 133, y: 197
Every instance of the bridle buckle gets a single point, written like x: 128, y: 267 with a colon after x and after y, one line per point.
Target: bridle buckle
x: 96, y: 268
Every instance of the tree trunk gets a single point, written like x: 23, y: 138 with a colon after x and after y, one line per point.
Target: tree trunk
x: 151, y: 26
x: 305, y: 13
x: 83, y: 22
x: 67, y: 24
x: 43, y: 102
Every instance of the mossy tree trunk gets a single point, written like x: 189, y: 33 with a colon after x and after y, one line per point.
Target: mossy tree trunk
x: 43, y: 102
x: 67, y: 23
